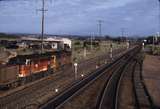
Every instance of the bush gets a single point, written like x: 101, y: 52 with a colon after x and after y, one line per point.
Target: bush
x: 77, y: 43
x: 156, y: 50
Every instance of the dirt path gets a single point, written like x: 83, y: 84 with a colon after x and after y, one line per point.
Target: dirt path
x: 151, y: 74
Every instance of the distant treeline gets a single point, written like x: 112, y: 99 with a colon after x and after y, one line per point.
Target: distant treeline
x: 152, y: 39
x: 105, y: 38
x: 8, y: 36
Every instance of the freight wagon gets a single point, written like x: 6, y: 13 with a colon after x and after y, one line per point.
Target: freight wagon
x: 26, y: 68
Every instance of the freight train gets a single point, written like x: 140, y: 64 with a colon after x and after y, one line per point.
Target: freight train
x: 26, y: 68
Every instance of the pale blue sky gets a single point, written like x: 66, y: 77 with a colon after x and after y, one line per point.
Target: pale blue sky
x: 139, y: 17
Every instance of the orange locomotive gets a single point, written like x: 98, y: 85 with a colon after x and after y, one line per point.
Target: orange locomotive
x: 36, y: 65
x: 27, y: 68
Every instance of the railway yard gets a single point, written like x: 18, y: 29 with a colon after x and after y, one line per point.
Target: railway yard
x: 122, y: 88
x: 79, y: 54
x: 101, y: 82
x: 40, y: 91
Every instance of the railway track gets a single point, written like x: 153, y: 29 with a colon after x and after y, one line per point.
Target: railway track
x: 142, y: 96
x: 34, y: 95
x: 86, y: 97
x: 110, y: 96
x: 58, y: 101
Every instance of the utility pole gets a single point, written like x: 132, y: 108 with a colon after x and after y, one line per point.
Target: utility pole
x: 100, y: 27
x: 91, y: 43
x: 159, y: 16
x: 153, y: 44
x: 111, y: 51
x: 43, y: 10
x: 122, y: 33
x: 75, y: 70
x: 84, y: 52
x: 100, y: 35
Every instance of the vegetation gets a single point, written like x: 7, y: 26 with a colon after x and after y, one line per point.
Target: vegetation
x: 150, y: 40
x: 155, y: 50
x: 77, y: 43
x: 8, y: 36
x: 82, y: 49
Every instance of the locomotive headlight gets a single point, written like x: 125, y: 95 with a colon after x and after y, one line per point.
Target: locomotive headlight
x: 36, y: 65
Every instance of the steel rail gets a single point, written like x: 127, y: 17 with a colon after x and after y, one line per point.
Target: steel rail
x: 132, y: 65
x: 100, y: 96
x: 110, y: 69
x: 53, y: 103
x: 108, y: 99
x: 141, y: 85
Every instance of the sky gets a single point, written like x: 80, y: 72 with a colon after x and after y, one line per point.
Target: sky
x: 80, y: 17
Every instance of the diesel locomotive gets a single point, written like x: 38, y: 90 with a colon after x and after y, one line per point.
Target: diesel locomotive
x: 26, y: 68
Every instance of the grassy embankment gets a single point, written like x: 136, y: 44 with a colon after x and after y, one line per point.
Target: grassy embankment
x: 155, y: 50
x: 78, y: 50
